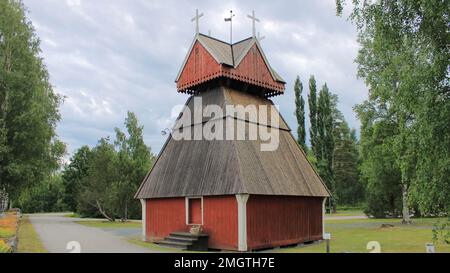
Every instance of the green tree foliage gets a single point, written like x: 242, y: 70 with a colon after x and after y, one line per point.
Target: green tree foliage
x: 300, y: 113
x: 29, y: 149
x: 348, y: 187
x: 345, y: 166
x: 404, y: 61
x: 325, y: 139
x: 102, y: 173
x: 379, y: 170
x: 113, y: 173
x: 134, y: 161
x: 312, y: 101
x: 73, y: 176
x: 45, y: 196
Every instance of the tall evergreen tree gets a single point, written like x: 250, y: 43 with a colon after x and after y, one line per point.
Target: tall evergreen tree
x: 345, y: 166
x: 325, y: 140
x: 29, y: 149
x: 300, y: 113
x: 312, y: 101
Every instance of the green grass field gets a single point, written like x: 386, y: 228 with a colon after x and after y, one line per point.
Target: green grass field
x: 72, y: 215
x: 29, y: 241
x: 109, y: 224
x: 154, y: 247
x: 353, y: 236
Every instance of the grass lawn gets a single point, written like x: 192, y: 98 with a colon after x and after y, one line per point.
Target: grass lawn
x: 29, y: 241
x: 109, y: 224
x: 72, y: 215
x: 138, y: 241
x: 353, y: 236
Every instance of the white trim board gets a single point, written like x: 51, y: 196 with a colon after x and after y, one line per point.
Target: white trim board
x: 242, y: 221
x: 186, y: 205
x: 144, y: 219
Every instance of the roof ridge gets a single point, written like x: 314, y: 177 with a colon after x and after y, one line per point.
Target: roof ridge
x: 213, y: 38
x: 243, y: 40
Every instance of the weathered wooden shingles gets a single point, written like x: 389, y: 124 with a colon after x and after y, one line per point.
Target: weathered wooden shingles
x: 223, y: 167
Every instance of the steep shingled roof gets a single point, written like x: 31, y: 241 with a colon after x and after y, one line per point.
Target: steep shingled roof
x: 228, y: 167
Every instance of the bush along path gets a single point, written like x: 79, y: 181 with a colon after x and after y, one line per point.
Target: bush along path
x: 9, y: 228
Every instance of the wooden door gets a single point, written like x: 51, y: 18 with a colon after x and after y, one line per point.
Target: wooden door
x: 195, y: 211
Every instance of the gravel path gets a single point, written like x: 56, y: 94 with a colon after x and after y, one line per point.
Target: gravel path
x: 60, y: 234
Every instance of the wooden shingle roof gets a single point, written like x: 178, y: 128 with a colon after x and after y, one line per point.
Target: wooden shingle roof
x: 228, y: 167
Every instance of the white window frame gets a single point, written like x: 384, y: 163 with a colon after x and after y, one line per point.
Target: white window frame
x: 187, y: 209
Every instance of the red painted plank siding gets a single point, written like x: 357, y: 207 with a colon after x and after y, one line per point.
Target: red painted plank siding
x: 219, y: 218
x: 253, y: 69
x: 165, y: 216
x: 195, y: 211
x: 220, y: 221
x: 200, y: 67
x: 281, y: 220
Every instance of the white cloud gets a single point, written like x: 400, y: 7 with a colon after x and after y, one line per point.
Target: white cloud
x: 111, y: 56
x: 73, y: 3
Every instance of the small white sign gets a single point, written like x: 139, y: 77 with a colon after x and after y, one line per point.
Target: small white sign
x: 430, y: 248
x: 327, y: 236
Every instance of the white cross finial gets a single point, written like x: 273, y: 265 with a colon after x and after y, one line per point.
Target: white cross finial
x: 254, y: 20
x: 196, y: 19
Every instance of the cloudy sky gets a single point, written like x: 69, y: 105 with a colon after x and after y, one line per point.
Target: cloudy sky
x: 110, y: 56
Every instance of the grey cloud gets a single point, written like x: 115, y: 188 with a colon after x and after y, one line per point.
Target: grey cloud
x: 108, y: 57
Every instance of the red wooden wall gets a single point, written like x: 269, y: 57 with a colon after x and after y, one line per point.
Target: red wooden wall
x: 253, y: 70
x: 282, y: 220
x: 271, y: 220
x: 200, y: 67
x: 165, y: 216
x: 219, y: 219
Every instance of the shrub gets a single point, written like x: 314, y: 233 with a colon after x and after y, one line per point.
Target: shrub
x: 4, y: 247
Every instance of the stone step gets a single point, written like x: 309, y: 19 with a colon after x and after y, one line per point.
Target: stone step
x: 178, y: 238
x: 186, y: 234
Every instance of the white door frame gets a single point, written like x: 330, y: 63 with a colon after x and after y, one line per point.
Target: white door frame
x: 187, y: 208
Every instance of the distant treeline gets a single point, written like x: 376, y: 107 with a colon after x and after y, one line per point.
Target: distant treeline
x: 98, y: 182
x: 333, y: 148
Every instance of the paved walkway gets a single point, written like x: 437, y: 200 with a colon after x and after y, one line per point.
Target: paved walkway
x: 61, y: 234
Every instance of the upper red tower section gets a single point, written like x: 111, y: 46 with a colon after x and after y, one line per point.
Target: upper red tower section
x: 210, y: 59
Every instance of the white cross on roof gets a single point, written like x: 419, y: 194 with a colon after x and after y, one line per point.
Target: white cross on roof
x: 196, y: 19
x: 254, y: 19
